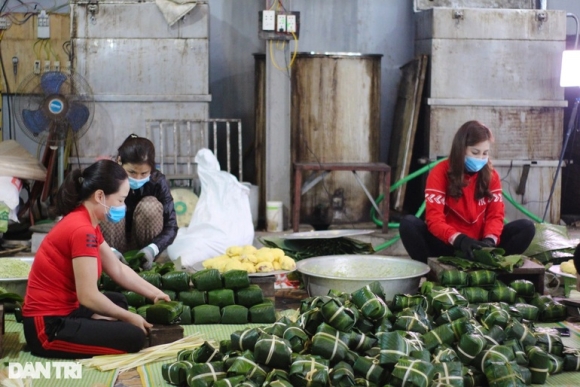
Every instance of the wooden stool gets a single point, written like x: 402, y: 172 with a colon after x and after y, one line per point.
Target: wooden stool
x: 384, y: 182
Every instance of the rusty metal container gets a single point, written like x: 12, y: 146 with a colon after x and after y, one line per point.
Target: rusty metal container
x: 335, y: 117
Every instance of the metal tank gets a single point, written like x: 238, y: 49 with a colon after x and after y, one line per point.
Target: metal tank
x: 335, y: 117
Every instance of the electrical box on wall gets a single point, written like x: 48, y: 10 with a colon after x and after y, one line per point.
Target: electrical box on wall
x: 279, y: 25
x: 43, y: 26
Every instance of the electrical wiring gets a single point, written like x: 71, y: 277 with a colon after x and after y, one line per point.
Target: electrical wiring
x: 54, y: 54
x: 275, y: 64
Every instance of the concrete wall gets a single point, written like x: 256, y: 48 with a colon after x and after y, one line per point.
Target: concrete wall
x: 366, y: 26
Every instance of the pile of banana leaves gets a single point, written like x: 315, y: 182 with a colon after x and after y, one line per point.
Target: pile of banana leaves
x: 551, y: 244
x: 491, y: 258
x: 299, y: 249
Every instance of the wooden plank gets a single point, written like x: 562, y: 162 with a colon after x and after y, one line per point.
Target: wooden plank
x: 405, y: 123
x: 20, y: 41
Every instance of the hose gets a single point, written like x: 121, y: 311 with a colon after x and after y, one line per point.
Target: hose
x: 413, y: 175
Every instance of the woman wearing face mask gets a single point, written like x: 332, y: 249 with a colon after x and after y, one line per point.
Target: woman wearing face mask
x: 150, y: 225
x: 464, y: 204
x: 64, y: 313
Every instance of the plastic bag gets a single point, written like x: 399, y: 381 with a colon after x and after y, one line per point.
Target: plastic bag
x: 222, y: 216
x: 10, y: 195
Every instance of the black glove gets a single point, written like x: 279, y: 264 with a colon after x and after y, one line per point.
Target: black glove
x: 488, y: 242
x: 466, y: 245
x: 148, y: 257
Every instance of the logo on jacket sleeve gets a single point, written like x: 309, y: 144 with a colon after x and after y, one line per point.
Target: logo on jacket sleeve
x: 435, y: 198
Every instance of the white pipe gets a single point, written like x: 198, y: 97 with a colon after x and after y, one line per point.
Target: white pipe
x: 577, y: 31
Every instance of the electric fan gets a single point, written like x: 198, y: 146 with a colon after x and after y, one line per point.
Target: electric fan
x: 53, y: 105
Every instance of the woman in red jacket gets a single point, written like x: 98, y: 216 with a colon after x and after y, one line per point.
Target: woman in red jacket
x: 465, y: 209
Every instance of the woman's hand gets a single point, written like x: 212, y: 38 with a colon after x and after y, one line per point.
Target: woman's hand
x: 140, y: 322
x: 161, y: 297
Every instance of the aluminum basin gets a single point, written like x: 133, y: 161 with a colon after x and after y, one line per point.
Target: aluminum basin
x: 347, y: 273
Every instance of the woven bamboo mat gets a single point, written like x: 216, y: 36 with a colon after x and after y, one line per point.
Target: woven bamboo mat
x: 14, y: 352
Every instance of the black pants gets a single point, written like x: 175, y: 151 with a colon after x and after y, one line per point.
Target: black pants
x: 421, y: 244
x: 78, y: 335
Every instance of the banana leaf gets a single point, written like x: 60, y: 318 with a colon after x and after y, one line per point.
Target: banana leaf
x: 236, y: 279
x: 340, y: 296
x: 461, y: 327
x: 360, y: 342
x: 414, y: 339
x: 278, y: 328
x: 203, y: 375
x: 526, y: 375
x: 163, y: 268
x: 263, y: 313
x: 552, y: 344
x: 423, y: 354
x: 402, y: 301
x: 502, y: 294
x: 519, y: 352
x: 337, y: 316
x: 311, y: 320
x: 383, y: 325
x: 392, y: 347
x: 444, y: 354
x: 449, y: 374
x: 494, y: 353
x: 234, y: 314
x: 175, y: 280
x: 482, y: 278
x: 308, y: 370
x: 151, y: 277
x: 206, y: 353
x: 299, y: 249
x: 571, y: 359
x: 185, y: 316
x: 443, y: 334
x: 365, y: 325
x: 176, y: 372
x: 273, y: 351
x: 527, y: 311
x: 523, y: 288
x: 192, y: 297
x: 107, y: 283
x: 142, y: 311
x: 330, y: 343
x: 370, y: 305
x: 229, y: 382
x: 365, y: 383
x: 539, y: 364
x: 469, y: 346
x: 342, y: 375
x: 452, y: 314
x: 473, y: 378
x: 277, y: 378
x: 221, y: 297
x: 313, y: 303
x: 250, y: 296
x: 521, y: 332
x: 133, y: 299
x: 6, y: 296
x: 245, y: 340
x: 226, y: 346
x: 369, y: 369
x: 172, y: 294
x: 207, y: 279
x: 206, y: 314
x: 446, y: 298
x: 413, y: 319
x: 495, y: 316
x: 475, y: 295
x: 491, y: 258
x: 164, y: 312
x: 246, y: 365
x: 453, y: 278
x: 503, y: 374
x: 412, y: 372
x: 553, y: 312
x: 133, y: 259
x: 296, y: 337
x: 550, y: 238
x: 185, y: 354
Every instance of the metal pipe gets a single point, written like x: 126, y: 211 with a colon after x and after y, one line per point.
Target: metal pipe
x: 577, y: 31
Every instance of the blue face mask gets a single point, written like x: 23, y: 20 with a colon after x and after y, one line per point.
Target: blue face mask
x: 473, y: 164
x: 136, y: 183
x: 115, y: 213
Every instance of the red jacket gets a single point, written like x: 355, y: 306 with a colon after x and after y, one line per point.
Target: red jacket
x: 446, y: 217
